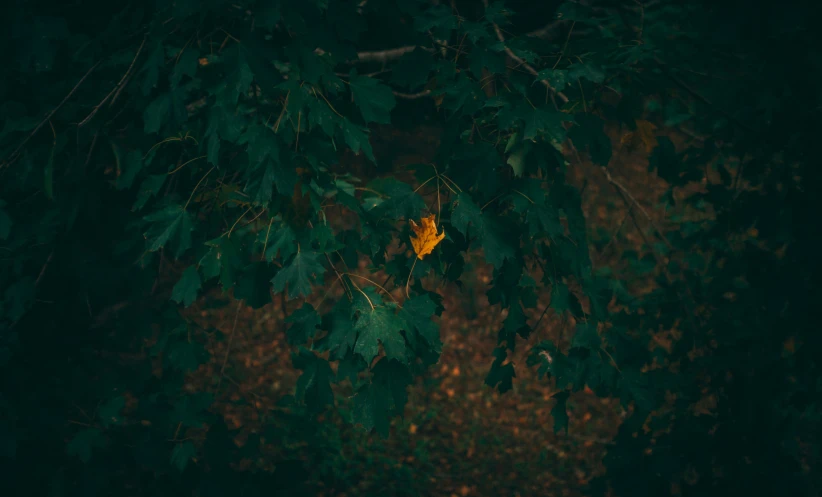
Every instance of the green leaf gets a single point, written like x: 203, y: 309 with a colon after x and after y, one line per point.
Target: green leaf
x: 182, y: 453
x: 587, y: 71
x: 109, y: 412
x: 665, y: 162
x: 586, y: 336
x: 267, y: 171
x: 517, y: 159
x: 560, y: 411
x: 282, y: 242
x: 544, y: 220
x: 261, y: 144
x: 413, y: 68
x: 152, y: 67
x: 223, y: 259
x: 495, y: 243
x: 191, y: 410
x: 150, y: 187
x: 380, y: 325
x: 298, y: 275
x: 185, y: 65
x: 350, y: 367
x: 157, y: 113
x: 374, y: 99
x: 341, y: 336
x: 480, y: 58
x: 357, y: 139
x: 314, y: 385
x: 185, y: 291
x: 544, y: 120
x: 238, y: 77
x: 369, y: 409
x: 323, y: 239
x: 636, y: 386
x: 401, y: 202
x: 560, y: 297
x: 589, y: 135
x: 500, y: 374
x: 84, y: 442
x: 418, y: 312
x: 186, y: 355
x: 488, y: 230
x: 253, y: 284
x: 375, y: 403
x: 557, y: 78
x: 19, y: 297
x: 171, y: 226
x: 304, y: 322
x: 466, y: 213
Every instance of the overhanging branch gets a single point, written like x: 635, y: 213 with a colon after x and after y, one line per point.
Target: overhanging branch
x: 524, y: 64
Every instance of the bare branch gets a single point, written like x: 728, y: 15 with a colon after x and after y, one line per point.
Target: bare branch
x: 628, y: 196
x: 412, y: 96
x: 11, y: 158
x: 548, y: 31
x: 384, y: 55
x: 117, y: 88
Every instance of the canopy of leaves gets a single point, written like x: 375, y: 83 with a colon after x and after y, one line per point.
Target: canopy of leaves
x: 158, y: 157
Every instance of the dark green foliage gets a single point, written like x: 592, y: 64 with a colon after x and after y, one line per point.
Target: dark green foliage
x: 152, y: 155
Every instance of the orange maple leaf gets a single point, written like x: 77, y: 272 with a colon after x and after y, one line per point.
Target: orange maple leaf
x: 427, y: 237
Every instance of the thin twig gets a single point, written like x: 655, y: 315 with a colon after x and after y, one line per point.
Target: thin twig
x: 412, y: 96
x: 197, y: 186
x: 13, y: 157
x: 339, y: 277
x: 43, y: 270
x: 408, y: 281
x: 524, y: 64
x: 373, y: 283
x: 117, y: 88
x: 265, y: 244
x: 238, y: 220
x: 384, y: 55
x: 624, y: 191
x: 228, y: 347
x: 187, y: 163
x: 614, y: 235
x: 702, y: 98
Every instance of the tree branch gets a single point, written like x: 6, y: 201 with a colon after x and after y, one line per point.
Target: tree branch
x: 626, y: 194
x: 384, y: 55
x: 524, y: 64
x: 412, y: 96
x: 13, y: 157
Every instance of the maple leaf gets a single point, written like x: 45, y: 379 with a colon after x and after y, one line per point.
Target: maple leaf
x: 427, y: 237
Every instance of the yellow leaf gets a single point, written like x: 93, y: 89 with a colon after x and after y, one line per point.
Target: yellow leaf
x: 427, y: 237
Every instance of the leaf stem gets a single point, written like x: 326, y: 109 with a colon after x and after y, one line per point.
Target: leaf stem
x: 408, y: 281
x: 373, y: 283
x: 265, y: 244
x: 187, y: 163
x: 197, y: 186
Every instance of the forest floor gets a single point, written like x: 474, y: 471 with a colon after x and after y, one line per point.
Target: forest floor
x: 458, y: 436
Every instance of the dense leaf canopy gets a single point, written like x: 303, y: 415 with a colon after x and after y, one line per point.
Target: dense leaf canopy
x: 156, y: 154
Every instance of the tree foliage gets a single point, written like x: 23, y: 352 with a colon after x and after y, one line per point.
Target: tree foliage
x: 153, y: 154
